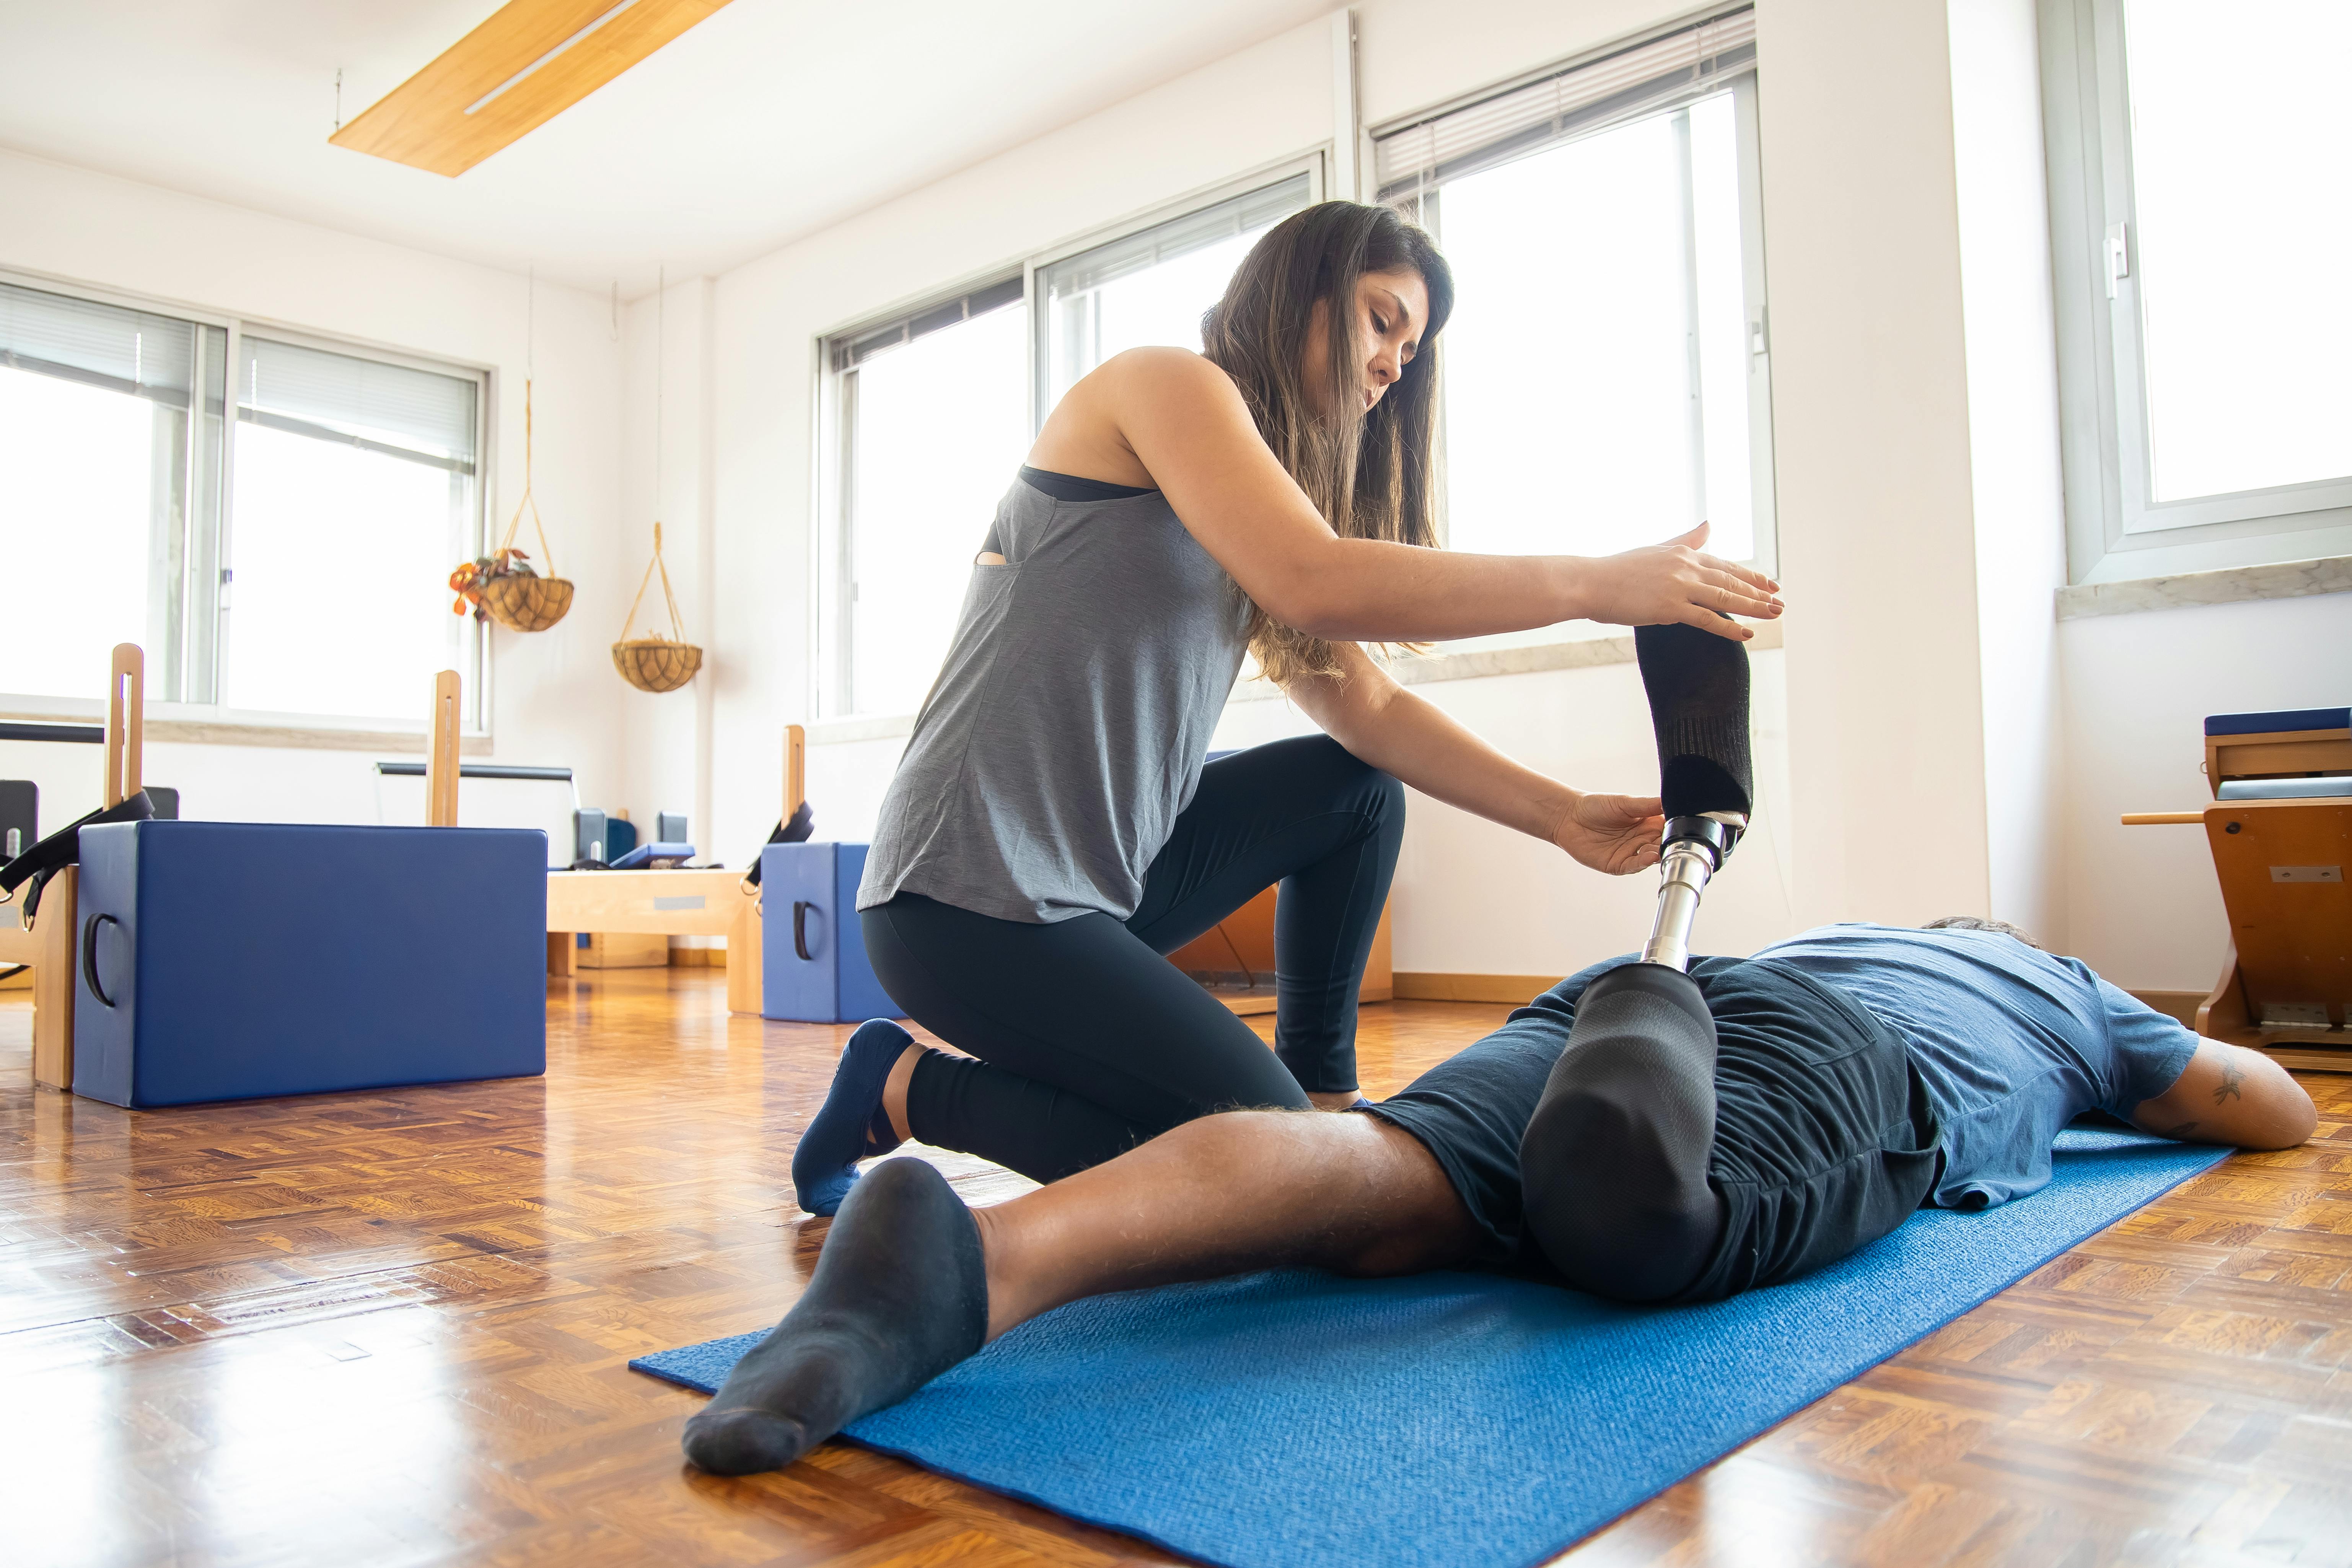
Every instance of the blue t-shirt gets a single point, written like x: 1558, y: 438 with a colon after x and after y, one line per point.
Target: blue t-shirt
x: 2011, y: 1043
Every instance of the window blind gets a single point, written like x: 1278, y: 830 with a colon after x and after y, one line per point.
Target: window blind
x: 1091, y: 269
x: 857, y: 348
x: 390, y: 408
x: 128, y: 350
x: 1644, y: 79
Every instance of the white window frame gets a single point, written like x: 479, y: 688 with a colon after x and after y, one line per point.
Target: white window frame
x: 831, y: 678
x: 1763, y: 468
x: 1312, y: 165
x: 833, y: 569
x: 213, y: 720
x: 2115, y: 530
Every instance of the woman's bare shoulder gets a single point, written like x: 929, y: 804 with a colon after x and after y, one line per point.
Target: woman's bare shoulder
x: 1159, y: 368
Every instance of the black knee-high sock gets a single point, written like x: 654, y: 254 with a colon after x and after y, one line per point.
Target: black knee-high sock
x: 1613, y: 1165
x: 1697, y: 685
x: 900, y: 1294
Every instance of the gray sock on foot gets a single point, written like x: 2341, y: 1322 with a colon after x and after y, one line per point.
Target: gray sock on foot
x: 900, y: 1294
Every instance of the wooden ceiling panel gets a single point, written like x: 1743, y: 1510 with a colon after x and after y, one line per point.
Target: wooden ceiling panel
x: 527, y: 64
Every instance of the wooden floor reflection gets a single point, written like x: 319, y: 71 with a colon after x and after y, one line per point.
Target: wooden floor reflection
x: 391, y: 1328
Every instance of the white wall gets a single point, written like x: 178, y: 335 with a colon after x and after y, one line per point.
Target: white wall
x: 2145, y: 910
x: 1910, y: 737
x: 1263, y: 104
x: 554, y: 692
x: 2009, y: 329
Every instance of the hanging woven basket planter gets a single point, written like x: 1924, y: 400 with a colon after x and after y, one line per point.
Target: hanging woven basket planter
x: 654, y: 663
x: 504, y: 585
x: 523, y: 602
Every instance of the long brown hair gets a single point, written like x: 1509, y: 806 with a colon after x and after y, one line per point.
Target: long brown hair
x: 1371, y: 476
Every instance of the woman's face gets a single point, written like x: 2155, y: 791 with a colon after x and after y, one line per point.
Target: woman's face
x: 1391, y: 308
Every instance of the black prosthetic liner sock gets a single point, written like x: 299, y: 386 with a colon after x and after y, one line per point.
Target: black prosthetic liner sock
x: 1697, y: 685
x: 1612, y: 1168
x: 900, y: 1294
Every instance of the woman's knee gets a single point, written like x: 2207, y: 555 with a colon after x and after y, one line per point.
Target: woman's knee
x: 1320, y: 764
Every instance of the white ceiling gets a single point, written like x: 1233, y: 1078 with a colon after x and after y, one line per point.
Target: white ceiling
x: 768, y: 121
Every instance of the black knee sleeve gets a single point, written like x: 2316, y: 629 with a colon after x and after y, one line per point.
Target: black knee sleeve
x: 1612, y: 1168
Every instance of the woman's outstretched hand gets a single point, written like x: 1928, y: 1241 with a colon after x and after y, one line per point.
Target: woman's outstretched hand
x: 1660, y: 584
x: 1613, y: 833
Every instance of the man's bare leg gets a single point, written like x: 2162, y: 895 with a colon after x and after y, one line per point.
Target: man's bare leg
x: 910, y: 1281
x: 1226, y: 1194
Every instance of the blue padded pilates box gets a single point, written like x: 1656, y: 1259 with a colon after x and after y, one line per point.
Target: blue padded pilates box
x: 813, y: 964
x: 231, y: 960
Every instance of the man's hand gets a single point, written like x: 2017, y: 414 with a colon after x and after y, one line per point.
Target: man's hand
x: 1660, y: 584
x: 1613, y: 833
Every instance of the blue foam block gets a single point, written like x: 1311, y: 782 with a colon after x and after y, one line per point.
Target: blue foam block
x: 808, y: 901
x: 233, y: 960
x: 2289, y: 719
x: 1301, y: 1420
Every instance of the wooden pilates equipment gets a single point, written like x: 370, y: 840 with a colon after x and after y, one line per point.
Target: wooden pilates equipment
x: 441, y: 766
x: 714, y: 902
x: 50, y: 944
x: 2285, y: 986
x: 665, y: 903
x: 1241, y: 946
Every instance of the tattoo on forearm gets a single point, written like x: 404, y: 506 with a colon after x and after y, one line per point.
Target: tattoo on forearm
x: 2183, y: 1130
x: 2232, y: 1074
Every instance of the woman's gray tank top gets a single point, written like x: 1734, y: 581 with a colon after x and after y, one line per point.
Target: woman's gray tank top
x: 1069, y: 725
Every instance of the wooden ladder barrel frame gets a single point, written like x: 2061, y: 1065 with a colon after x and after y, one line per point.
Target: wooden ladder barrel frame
x: 2268, y: 938
x: 52, y: 943
x: 441, y: 753
x: 126, y: 723
x: 795, y: 769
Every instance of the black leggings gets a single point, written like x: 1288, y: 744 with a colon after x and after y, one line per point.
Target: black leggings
x: 1088, y: 1040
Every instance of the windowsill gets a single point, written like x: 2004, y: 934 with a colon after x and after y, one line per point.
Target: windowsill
x: 2229, y: 585
x: 184, y: 723
x: 1581, y: 653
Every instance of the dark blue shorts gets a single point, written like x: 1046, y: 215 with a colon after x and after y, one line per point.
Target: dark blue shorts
x: 1825, y: 1140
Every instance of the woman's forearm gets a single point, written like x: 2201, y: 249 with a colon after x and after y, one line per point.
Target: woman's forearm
x: 1366, y: 590
x: 1418, y: 744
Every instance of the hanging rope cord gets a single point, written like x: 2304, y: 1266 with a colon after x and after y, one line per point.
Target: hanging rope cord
x: 546, y: 558
x: 661, y: 390
x: 530, y: 372
x: 676, y: 625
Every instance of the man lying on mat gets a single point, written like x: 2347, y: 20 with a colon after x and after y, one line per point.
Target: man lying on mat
x: 1636, y: 1132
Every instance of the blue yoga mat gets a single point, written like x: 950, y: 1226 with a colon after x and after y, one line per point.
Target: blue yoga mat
x: 1299, y: 1419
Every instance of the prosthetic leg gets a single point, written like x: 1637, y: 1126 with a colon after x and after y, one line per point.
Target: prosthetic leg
x: 1697, y: 685
x: 1613, y: 1165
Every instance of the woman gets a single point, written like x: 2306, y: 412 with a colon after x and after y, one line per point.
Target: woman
x: 1052, y: 830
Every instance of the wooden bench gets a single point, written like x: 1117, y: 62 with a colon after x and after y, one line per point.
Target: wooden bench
x: 713, y: 903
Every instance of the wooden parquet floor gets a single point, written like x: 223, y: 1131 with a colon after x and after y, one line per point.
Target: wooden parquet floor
x: 390, y: 1328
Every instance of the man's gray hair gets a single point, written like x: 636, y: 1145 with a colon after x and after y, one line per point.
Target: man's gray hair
x: 1974, y: 922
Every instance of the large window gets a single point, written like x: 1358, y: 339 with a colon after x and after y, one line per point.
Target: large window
x: 929, y: 415
x: 1606, y: 380
x: 288, y: 560
x: 931, y: 420
x: 110, y: 441
x: 2198, y: 214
